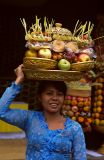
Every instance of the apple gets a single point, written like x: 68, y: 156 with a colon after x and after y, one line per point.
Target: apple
x: 74, y: 108
x: 64, y: 64
x: 30, y: 53
x: 83, y: 57
x: 45, y: 53
x: 69, y: 97
x: 80, y: 99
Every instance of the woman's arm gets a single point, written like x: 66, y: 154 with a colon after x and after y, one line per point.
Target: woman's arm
x: 13, y: 116
x: 79, y: 146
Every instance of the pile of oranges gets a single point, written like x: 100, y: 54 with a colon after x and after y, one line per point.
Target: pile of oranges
x: 98, y: 102
x: 78, y: 109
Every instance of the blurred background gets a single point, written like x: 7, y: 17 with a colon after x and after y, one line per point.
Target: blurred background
x: 12, y: 41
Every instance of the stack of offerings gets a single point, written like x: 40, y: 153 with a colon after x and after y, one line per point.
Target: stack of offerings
x: 98, y: 105
x: 77, y: 103
x: 52, y: 49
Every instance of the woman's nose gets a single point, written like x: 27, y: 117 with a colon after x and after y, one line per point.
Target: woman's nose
x: 55, y: 96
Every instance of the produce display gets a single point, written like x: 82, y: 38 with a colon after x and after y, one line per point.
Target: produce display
x: 77, y: 103
x: 52, y: 41
x: 98, y: 102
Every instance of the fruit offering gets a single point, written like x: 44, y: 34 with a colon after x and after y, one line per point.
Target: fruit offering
x: 98, y: 102
x: 52, y: 41
x: 77, y: 103
x: 79, y: 109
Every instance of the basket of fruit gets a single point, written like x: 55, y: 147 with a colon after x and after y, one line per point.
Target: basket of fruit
x: 83, y: 66
x: 39, y: 63
x: 53, y: 51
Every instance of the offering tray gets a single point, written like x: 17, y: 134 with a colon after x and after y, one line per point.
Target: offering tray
x: 83, y: 66
x: 57, y: 75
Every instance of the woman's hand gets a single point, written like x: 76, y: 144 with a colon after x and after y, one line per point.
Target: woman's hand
x: 19, y: 73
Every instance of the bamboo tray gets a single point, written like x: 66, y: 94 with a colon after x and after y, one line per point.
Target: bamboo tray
x: 57, y: 75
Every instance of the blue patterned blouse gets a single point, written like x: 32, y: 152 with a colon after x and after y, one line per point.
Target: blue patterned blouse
x: 43, y: 143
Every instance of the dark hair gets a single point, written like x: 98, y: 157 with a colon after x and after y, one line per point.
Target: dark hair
x: 59, y: 85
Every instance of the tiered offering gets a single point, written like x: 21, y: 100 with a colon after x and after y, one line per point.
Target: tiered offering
x: 98, y: 102
x: 77, y: 104
x: 52, y: 47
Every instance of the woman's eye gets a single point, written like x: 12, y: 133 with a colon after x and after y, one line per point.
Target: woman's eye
x: 49, y: 93
x: 60, y: 94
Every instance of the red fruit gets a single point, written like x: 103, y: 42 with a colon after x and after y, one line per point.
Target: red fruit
x: 83, y: 57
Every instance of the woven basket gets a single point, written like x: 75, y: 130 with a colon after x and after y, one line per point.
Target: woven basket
x: 56, y: 75
x: 82, y: 66
x: 39, y: 63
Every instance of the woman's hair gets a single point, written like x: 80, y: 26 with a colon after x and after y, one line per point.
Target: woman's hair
x: 59, y: 85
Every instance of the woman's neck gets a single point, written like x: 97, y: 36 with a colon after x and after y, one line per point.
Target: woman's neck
x: 54, y: 121
x: 53, y: 116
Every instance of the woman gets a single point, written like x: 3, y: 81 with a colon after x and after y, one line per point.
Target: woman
x: 50, y: 135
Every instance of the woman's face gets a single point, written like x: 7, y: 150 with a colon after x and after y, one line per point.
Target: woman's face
x: 52, y: 100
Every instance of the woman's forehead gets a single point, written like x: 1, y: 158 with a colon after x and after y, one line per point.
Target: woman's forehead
x: 51, y: 88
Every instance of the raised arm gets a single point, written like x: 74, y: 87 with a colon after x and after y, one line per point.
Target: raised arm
x: 13, y: 116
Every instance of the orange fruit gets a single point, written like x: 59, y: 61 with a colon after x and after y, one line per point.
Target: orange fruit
x: 80, y: 119
x: 99, y: 91
x: 54, y: 56
x: 99, y: 103
x: 102, y: 122
x: 74, y: 118
x: 87, y: 103
x: 96, y: 115
x: 74, y: 102
x: 97, y: 121
x: 89, y: 119
x: 86, y: 108
x: 59, y: 56
x: 80, y: 104
x: 98, y: 109
x: 100, y: 97
x: 83, y: 80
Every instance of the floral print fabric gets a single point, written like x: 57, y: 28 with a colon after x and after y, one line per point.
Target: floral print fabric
x: 43, y: 143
